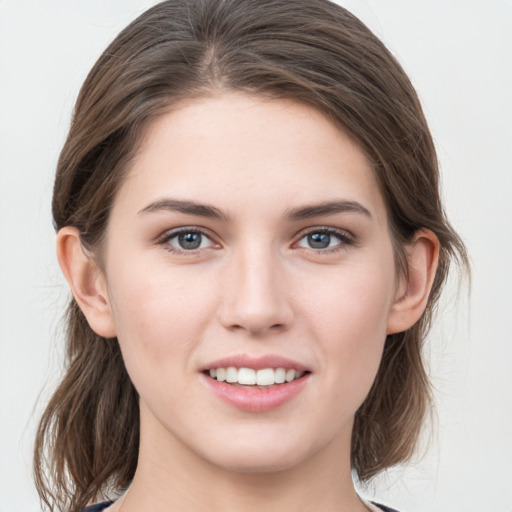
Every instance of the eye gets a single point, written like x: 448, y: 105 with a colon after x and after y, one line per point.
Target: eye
x: 321, y: 239
x: 186, y: 240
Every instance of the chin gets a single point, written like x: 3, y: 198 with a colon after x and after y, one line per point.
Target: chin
x: 261, y: 465
x: 259, y: 457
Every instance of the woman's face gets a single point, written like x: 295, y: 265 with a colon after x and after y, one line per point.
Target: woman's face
x: 249, y: 233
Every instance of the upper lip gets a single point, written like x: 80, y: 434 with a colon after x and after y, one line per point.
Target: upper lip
x: 256, y: 362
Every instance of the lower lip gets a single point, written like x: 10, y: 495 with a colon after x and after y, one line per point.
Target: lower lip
x: 253, y: 399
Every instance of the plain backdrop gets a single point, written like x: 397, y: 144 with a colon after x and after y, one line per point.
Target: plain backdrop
x: 459, y: 57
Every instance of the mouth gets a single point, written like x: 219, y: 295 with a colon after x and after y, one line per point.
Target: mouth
x: 256, y: 383
x: 263, y: 378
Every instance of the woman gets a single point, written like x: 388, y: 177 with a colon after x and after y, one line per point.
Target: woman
x: 249, y: 219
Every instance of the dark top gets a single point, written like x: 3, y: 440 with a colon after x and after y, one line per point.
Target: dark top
x: 384, y: 508
x: 101, y: 506
x: 98, y: 507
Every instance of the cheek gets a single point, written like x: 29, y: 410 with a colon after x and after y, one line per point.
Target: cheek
x: 349, y: 318
x: 160, y: 316
x: 353, y: 301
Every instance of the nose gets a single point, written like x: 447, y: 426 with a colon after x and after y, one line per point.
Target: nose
x: 255, y: 296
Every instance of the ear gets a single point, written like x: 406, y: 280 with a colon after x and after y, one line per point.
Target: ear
x: 413, y: 291
x: 86, y: 281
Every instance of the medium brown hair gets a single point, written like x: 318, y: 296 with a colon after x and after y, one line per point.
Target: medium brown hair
x: 312, y: 51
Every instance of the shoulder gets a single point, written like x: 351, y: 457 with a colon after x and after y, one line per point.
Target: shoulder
x: 98, y: 506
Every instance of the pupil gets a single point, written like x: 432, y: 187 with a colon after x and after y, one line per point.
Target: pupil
x: 189, y: 240
x: 319, y: 240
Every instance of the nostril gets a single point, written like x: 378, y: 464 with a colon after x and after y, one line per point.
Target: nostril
x: 255, y: 304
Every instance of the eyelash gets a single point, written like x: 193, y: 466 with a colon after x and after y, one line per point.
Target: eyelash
x: 345, y: 238
x: 167, y: 237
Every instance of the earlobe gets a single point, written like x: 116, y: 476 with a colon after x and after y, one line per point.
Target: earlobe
x: 86, y: 281
x: 412, y: 296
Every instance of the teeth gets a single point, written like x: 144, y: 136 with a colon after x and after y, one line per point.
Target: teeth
x: 231, y: 375
x: 279, y: 375
x: 251, y: 377
x: 246, y: 376
x: 290, y: 375
x: 265, y: 377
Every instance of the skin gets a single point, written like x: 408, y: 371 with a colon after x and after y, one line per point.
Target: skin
x: 255, y: 286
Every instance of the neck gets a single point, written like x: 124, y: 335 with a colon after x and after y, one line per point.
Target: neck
x: 170, y: 477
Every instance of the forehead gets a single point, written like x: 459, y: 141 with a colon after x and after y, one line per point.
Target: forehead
x: 238, y: 150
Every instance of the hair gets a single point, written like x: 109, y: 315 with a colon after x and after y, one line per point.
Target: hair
x: 311, y: 51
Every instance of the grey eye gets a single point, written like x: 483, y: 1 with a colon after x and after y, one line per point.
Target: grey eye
x: 322, y: 240
x: 319, y: 240
x: 190, y: 241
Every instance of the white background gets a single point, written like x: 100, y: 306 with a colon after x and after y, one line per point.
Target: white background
x: 459, y: 56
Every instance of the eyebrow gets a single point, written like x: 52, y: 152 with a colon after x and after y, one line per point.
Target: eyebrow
x: 295, y: 214
x: 187, y: 207
x: 327, y: 208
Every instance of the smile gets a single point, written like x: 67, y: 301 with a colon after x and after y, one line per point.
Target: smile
x: 256, y: 384
x: 251, y: 377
